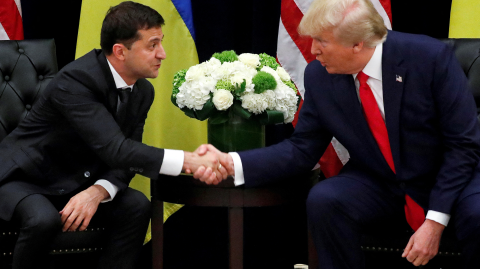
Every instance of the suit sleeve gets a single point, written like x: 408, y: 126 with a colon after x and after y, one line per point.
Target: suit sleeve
x: 293, y: 156
x: 460, y: 130
x: 89, y: 117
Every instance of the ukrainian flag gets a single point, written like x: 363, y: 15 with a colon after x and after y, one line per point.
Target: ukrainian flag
x: 465, y: 19
x: 166, y: 126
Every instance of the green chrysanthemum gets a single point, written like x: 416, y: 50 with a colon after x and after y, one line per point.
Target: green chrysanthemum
x: 267, y: 60
x: 263, y: 81
x: 226, y: 56
x: 291, y: 85
x: 178, y: 80
x: 225, y: 84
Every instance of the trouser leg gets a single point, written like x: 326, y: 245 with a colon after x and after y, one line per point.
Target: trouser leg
x: 466, y: 219
x: 128, y: 216
x: 39, y: 223
x: 340, y: 209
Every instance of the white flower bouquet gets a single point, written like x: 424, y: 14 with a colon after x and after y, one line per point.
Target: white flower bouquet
x: 252, y: 86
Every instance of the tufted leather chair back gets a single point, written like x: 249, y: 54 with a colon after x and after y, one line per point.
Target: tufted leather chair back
x: 467, y: 51
x: 26, y: 68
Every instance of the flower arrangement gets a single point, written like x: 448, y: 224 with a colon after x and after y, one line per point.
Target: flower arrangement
x: 252, y: 86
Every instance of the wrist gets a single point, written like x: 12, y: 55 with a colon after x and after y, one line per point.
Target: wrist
x: 99, y: 192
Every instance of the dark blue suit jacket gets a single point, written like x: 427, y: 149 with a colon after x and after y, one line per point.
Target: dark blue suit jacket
x: 71, y: 137
x: 430, y: 117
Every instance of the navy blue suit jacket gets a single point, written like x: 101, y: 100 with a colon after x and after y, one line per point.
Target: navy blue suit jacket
x: 430, y: 116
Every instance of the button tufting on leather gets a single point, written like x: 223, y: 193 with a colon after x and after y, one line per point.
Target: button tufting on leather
x: 28, y: 107
x: 21, y: 50
x: 40, y: 77
x: 7, y: 78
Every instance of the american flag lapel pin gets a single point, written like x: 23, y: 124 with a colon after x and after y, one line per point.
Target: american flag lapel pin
x: 399, y: 78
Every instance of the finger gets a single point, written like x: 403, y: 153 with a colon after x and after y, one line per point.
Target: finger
x: 66, y: 212
x: 202, y: 150
x: 68, y: 223
x: 407, y: 249
x: 199, y: 173
x: 78, y: 221
x: 188, y: 171
x: 85, y: 223
x: 212, y: 178
x: 206, y: 175
x: 223, y: 172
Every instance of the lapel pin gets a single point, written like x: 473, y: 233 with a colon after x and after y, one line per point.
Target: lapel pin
x: 399, y: 78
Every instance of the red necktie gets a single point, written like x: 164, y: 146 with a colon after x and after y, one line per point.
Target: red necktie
x: 413, y: 212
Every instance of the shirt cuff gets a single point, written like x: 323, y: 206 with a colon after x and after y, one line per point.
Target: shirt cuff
x: 439, y: 217
x: 109, y: 187
x: 239, y: 179
x: 172, y: 162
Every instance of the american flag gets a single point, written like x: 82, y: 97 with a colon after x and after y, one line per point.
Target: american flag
x: 11, y: 26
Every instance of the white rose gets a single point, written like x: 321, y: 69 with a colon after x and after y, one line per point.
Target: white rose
x: 222, y: 99
x: 283, y: 74
x: 252, y: 60
x: 194, y: 73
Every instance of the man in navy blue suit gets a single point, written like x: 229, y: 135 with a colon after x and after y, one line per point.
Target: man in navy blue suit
x: 401, y: 105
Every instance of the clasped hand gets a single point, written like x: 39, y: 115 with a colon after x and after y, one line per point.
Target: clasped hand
x: 208, y: 164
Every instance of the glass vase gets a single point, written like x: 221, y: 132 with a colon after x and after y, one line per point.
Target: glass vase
x: 236, y: 134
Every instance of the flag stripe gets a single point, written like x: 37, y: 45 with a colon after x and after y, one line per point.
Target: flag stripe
x: 11, y: 20
x: 184, y: 8
x: 291, y: 17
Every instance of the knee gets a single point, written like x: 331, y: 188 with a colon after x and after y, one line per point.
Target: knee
x: 43, y: 223
x: 136, y: 204
x: 322, y: 201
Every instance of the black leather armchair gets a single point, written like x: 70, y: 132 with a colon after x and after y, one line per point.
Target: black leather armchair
x: 467, y: 52
x: 26, y: 67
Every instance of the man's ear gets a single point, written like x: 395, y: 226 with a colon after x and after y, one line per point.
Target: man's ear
x: 358, y: 47
x: 119, y: 51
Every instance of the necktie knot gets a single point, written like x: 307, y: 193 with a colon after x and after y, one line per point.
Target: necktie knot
x: 362, y: 78
x: 123, y: 94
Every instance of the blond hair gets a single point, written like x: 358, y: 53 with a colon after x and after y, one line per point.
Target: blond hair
x: 351, y: 21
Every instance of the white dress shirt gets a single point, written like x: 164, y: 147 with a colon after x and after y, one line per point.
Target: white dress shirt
x: 172, y: 159
x: 374, y: 70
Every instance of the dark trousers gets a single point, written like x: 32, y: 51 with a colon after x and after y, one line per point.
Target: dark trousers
x: 126, y: 219
x: 341, y: 209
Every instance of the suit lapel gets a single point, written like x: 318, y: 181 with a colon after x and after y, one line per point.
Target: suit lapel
x: 111, y: 91
x: 346, y: 96
x: 393, y: 80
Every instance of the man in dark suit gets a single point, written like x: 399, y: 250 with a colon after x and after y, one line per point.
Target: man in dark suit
x: 401, y: 105
x: 76, y: 152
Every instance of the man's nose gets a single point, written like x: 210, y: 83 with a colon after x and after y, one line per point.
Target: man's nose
x: 161, y: 53
x: 315, y: 50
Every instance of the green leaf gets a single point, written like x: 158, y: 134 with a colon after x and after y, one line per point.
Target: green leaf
x: 207, y: 110
x: 174, y: 100
x: 271, y: 117
x: 240, y: 111
x: 218, y: 118
x: 189, y: 112
x: 239, y: 89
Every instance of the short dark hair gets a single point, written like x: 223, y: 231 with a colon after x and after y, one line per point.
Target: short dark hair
x: 122, y: 22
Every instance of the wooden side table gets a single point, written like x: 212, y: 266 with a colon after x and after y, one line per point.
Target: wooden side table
x: 184, y: 189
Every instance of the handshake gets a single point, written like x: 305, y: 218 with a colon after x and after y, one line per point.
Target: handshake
x: 208, y: 164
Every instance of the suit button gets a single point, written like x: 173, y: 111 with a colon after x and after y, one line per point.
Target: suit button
x: 132, y: 169
x: 86, y: 174
x: 140, y: 170
x: 61, y: 191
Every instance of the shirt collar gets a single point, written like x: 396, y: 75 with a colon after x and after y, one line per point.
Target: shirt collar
x: 373, y: 68
x: 119, y: 82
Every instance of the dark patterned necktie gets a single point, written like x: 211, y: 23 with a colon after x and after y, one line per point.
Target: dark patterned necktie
x: 413, y: 212
x: 124, y: 95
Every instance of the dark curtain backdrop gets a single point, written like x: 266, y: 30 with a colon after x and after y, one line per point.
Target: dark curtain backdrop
x: 197, y: 238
